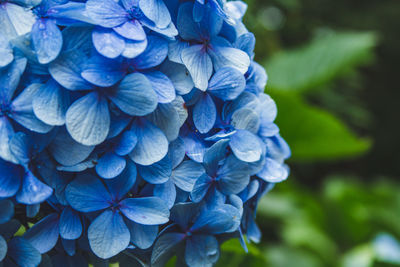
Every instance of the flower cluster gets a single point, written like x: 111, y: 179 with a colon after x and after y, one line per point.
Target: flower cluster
x: 132, y: 130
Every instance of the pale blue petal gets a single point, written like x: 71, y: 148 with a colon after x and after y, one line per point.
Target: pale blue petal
x: 9, y: 78
x: 108, y: 234
x: 176, y: 152
x: 51, y: 103
x: 179, y: 76
x: 88, y: 119
x: 157, y: 173
x: 132, y: 30
x: 134, y: 48
x: 46, y: 39
x: 162, y: 85
x: 106, y: 13
x: 201, y: 187
x: 204, y: 114
x: 246, y: 119
x: 143, y: 236
x: 194, y: 147
x: 186, y: 174
x: 246, y: 146
x: 201, y: 250
x: 175, y: 50
x: 223, y: 56
x: 156, y: 11
x: 107, y: 42
x: 146, y: 210
x: 166, y: 192
x: 273, y: 171
x: 6, y: 133
x: 121, y: 185
x: 227, y: 83
x: 199, y: 64
x: 16, y: 20
x: 134, y: 95
x: 166, y: 118
x: 152, y: 144
x: 110, y: 165
x: 155, y: 53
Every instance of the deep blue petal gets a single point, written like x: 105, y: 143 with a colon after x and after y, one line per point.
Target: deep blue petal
x: 120, y: 186
x: 32, y: 210
x: 33, y: 191
x: 201, y: 187
x: 184, y: 214
x: 101, y: 71
x: 227, y: 83
x: 146, y: 210
x: 233, y: 176
x: 6, y: 210
x: 201, y: 250
x: 194, y: 147
x: 166, y: 192
x: 187, y: 27
x: 143, y: 236
x: 10, y: 178
x: 127, y: 142
x: 86, y: 193
x: 70, y: 224
x: 3, y: 248
x: 176, y: 152
x: 44, y: 234
x: 108, y: 234
x: 214, y: 155
x: 22, y: 252
x: 154, y: 55
x: 164, y: 247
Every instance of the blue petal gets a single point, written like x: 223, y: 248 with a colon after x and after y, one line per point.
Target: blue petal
x: 107, y: 42
x: 110, y: 165
x: 121, y: 185
x: 51, y: 103
x: 166, y: 192
x: 23, y: 111
x: 32, y: 190
x: 126, y: 143
x: 187, y: 27
x: 67, y: 151
x: 143, y: 236
x: 204, y: 114
x: 273, y: 171
x: 132, y: 30
x: 223, y: 56
x: 201, y: 187
x: 67, y: 68
x: 6, y: 211
x: 103, y: 72
x: 106, y: 13
x: 134, y: 48
x: 6, y: 53
x: 246, y: 42
x: 146, y: 210
x: 6, y: 133
x: 3, y: 248
x: 9, y: 78
x: 176, y: 152
x: 225, y: 219
x: 69, y: 246
x: 246, y: 146
x: 227, y: 83
x: 162, y: 85
x: 186, y: 174
x: 22, y: 252
x: 10, y: 178
x: 199, y: 64
x: 87, y: 193
x: 70, y: 224
x: 233, y: 176
x: 195, y: 148
x: 16, y: 20
x: 21, y: 147
x: 135, y: 96
x: 184, y: 214
x: 166, y: 118
x: 32, y: 210
x: 157, y: 173
x: 164, y: 247
x: 201, y: 250
x: 214, y: 155
x: 88, y: 119
x: 152, y: 144
x: 269, y: 110
x: 156, y: 11
x: 179, y: 76
x: 47, y: 40
x: 246, y: 119
x: 108, y: 234
x: 44, y: 234
x: 155, y: 53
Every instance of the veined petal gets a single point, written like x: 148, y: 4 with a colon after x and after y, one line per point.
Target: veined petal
x: 146, y: 210
x: 108, y: 234
x: 227, y: 83
x: 186, y: 174
x: 122, y: 184
x: 199, y: 64
x: 187, y: 27
x: 201, y: 250
x: 214, y: 155
x: 157, y: 173
x: 16, y: 20
x: 102, y: 71
x: 21, y: 251
x: 47, y: 40
x: 107, y: 42
x: 70, y: 224
x: 110, y: 165
x: 143, y: 236
x: 87, y: 193
x: 152, y: 144
x: 135, y: 95
x: 132, y: 30
x: 201, y: 187
x: 204, y: 114
x: 106, y: 13
x: 44, y: 234
x: 233, y: 176
x: 167, y: 119
x: 246, y: 119
x: 156, y: 52
x: 273, y: 171
x: 223, y: 56
x: 162, y: 85
x: 6, y: 133
x: 179, y: 76
x: 134, y: 48
x: 156, y: 11
x: 88, y: 119
x: 246, y: 146
x: 167, y: 192
x: 33, y: 191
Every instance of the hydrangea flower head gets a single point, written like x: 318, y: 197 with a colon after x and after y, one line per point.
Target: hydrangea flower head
x: 131, y: 131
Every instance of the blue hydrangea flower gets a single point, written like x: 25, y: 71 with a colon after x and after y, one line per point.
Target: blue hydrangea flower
x: 133, y: 130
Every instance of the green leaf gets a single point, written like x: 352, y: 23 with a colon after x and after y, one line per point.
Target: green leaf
x: 233, y: 255
x: 314, y: 134
x: 320, y: 61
